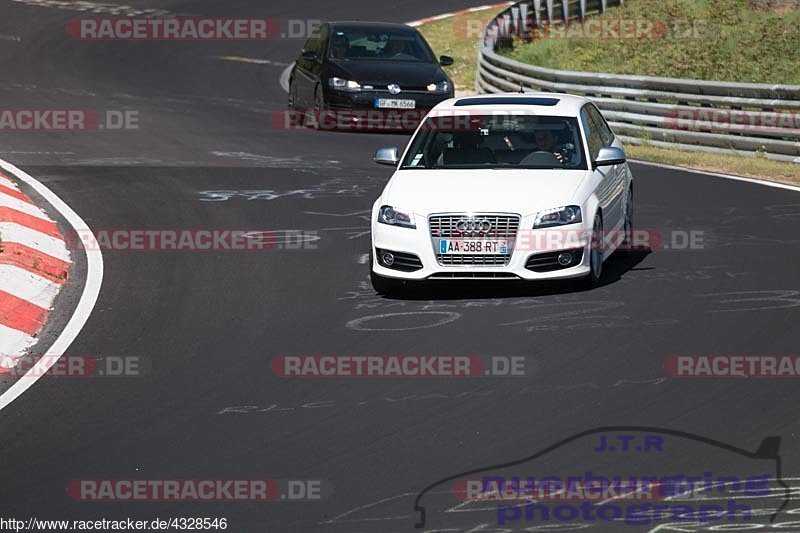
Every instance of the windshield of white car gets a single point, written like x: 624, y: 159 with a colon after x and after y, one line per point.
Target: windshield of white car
x: 385, y: 45
x: 522, y: 141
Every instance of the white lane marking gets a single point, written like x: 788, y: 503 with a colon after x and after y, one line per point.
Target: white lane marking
x: 12, y: 344
x: 91, y: 290
x: 37, y: 290
x: 253, y: 60
x: 718, y: 175
x: 34, y: 239
x: 420, y: 22
x: 284, y: 79
x: 20, y: 205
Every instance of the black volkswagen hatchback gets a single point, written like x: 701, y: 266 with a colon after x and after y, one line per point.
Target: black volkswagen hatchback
x: 358, y: 66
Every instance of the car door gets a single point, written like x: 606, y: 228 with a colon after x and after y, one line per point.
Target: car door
x: 307, y: 70
x: 614, y: 176
x: 602, y: 180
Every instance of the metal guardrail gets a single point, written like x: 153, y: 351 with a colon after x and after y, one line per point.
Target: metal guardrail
x: 697, y: 115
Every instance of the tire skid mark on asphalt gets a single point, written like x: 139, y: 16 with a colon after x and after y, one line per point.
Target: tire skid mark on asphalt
x: 445, y: 317
x: 97, y: 8
x: 479, y: 394
x: 780, y: 299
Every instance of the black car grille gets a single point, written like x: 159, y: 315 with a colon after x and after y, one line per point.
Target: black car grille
x: 548, y: 262
x: 473, y: 275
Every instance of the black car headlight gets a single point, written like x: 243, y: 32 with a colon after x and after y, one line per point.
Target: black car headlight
x: 560, y: 216
x: 441, y: 87
x: 392, y: 217
x: 341, y: 84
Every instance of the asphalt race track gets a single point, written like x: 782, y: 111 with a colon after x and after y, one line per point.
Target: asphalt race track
x: 207, y: 156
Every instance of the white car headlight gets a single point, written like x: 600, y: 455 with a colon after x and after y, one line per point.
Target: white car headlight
x: 441, y: 87
x: 392, y: 217
x: 559, y: 216
x: 341, y: 84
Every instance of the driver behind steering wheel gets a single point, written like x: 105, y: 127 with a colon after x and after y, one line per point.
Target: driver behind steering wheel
x: 546, y: 142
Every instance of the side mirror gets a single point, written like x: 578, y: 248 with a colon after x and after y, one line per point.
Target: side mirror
x: 609, y: 155
x: 310, y: 54
x: 446, y: 61
x: 387, y: 156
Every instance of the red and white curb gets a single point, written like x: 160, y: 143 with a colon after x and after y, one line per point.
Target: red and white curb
x: 34, y: 265
x: 415, y: 23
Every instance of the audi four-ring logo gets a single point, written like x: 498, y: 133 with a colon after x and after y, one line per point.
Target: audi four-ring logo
x: 473, y: 224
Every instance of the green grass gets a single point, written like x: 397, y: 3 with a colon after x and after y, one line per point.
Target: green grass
x: 732, y: 42
x: 752, y: 167
x: 765, y: 55
x: 450, y: 37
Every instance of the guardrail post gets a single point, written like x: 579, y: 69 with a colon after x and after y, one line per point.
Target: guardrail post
x: 524, y: 28
x: 515, y: 20
x: 537, y: 12
x: 504, y: 33
x: 565, y: 6
x: 642, y: 105
x: 491, y: 36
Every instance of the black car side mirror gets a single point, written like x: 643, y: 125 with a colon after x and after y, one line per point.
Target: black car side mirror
x: 310, y: 54
x: 446, y: 61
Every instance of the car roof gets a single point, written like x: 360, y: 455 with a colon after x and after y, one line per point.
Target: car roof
x: 374, y: 26
x: 554, y: 104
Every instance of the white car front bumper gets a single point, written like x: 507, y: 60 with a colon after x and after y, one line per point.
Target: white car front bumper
x: 420, y: 243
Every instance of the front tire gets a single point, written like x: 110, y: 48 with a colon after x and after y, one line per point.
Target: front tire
x: 384, y: 286
x: 627, y: 244
x: 595, y: 254
x: 319, y: 107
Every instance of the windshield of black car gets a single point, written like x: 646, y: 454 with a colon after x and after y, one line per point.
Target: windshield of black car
x: 502, y: 140
x: 386, y: 45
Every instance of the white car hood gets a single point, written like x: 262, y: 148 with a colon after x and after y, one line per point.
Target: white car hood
x: 523, y: 191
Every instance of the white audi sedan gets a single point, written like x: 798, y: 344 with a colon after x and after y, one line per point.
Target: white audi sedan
x: 529, y: 186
